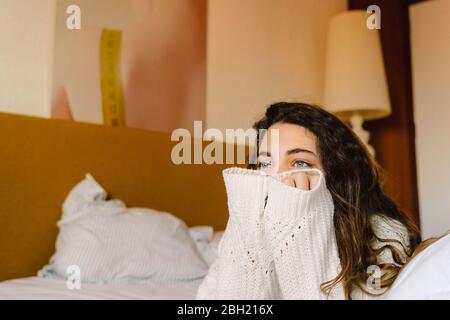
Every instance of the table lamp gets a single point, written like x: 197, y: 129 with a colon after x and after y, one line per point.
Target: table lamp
x: 356, y: 89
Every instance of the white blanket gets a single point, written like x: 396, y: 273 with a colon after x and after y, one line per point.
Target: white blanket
x: 35, y: 288
x: 427, y: 276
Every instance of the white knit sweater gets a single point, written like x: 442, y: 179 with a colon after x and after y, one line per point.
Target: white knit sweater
x: 280, y: 242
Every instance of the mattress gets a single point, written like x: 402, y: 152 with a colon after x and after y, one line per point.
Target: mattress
x: 36, y: 288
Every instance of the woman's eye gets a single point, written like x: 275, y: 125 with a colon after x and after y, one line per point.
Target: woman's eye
x: 264, y: 165
x: 301, y: 164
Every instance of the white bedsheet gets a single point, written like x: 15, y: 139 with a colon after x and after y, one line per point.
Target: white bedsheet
x: 35, y: 288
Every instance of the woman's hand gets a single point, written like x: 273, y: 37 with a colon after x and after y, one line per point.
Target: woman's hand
x: 302, y: 180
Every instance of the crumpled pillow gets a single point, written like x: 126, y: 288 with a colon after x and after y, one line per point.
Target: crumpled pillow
x: 109, y: 242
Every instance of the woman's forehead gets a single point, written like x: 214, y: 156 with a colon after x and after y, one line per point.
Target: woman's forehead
x: 289, y: 136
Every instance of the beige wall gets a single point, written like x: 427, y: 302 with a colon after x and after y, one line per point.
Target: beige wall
x: 76, y: 57
x: 162, y: 62
x: 258, y: 52
x: 26, y: 53
x: 263, y: 51
x: 430, y: 35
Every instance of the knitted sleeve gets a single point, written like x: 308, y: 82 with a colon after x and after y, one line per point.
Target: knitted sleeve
x: 279, y: 242
x: 299, y: 229
x: 392, y: 233
x: 237, y: 272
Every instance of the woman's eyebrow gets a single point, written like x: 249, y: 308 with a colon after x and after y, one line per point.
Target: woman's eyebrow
x: 298, y: 150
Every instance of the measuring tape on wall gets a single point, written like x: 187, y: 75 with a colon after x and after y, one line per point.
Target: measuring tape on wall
x: 113, y: 104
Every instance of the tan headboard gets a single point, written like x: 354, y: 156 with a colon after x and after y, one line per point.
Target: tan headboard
x: 42, y: 159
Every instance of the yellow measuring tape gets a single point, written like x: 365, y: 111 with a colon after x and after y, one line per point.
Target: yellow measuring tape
x: 112, y: 95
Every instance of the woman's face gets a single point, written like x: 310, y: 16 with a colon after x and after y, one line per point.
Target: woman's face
x: 296, y: 148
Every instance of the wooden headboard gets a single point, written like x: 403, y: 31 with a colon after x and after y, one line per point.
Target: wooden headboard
x: 42, y: 159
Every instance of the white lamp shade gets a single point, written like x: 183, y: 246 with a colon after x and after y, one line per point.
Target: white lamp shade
x: 355, y: 79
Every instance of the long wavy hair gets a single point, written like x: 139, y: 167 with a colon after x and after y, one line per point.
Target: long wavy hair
x: 355, y: 183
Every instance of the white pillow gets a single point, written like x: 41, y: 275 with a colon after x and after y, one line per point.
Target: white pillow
x: 112, y: 243
x: 207, y: 242
x: 427, y: 276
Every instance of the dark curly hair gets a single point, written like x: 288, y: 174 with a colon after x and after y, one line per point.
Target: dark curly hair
x: 355, y: 182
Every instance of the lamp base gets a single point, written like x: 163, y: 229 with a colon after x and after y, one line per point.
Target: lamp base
x: 357, y: 121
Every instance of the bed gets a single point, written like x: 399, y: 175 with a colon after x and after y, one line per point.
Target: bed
x: 42, y: 159
x: 35, y: 288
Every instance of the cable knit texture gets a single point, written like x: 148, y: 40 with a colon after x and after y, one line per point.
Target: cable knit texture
x: 300, y: 230
x: 398, y: 236
x: 279, y: 242
x: 240, y: 262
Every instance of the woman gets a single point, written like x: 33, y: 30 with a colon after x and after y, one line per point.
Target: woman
x: 312, y: 222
